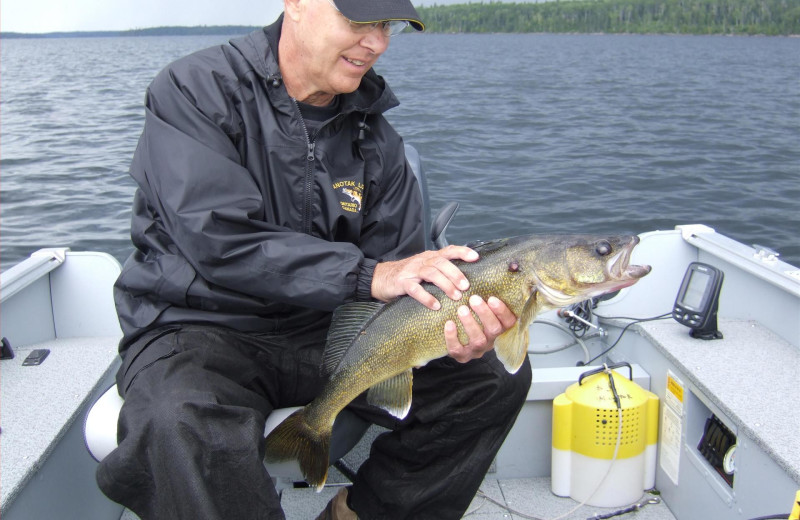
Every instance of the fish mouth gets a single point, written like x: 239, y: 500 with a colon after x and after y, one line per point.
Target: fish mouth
x: 619, y: 268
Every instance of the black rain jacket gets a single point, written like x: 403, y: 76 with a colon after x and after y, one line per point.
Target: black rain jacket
x: 241, y: 218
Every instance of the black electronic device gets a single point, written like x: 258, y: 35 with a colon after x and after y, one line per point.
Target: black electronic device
x: 698, y: 300
x: 718, y: 447
x: 36, y: 357
x: 6, y: 352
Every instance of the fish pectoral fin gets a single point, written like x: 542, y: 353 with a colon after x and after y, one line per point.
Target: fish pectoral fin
x: 393, y: 394
x: 512, y: 346
x: 346, y: 324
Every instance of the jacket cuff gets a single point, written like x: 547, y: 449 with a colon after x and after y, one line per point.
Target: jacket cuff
x: 364, y: 284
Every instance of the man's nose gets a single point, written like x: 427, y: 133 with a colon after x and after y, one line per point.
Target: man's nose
x: 376, y: 40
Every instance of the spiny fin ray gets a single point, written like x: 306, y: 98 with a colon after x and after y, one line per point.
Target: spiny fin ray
x: 347, y: 323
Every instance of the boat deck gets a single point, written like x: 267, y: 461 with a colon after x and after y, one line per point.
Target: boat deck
x: 506, y: 499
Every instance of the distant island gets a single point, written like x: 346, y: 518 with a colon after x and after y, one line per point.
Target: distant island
x: 199, y: 30
x: 731, y: 17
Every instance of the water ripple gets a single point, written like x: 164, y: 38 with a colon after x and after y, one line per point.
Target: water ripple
x: 531, y: 133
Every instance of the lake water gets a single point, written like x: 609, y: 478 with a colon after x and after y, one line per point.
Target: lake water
x: 531, y: 133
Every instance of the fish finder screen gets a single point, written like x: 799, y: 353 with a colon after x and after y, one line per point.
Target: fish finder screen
x: 696, y: 289
x: 697, y: 301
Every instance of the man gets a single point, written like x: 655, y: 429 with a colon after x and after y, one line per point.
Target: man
x: 270, y: 191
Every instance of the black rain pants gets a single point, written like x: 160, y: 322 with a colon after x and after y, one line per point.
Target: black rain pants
x: 196, y: 399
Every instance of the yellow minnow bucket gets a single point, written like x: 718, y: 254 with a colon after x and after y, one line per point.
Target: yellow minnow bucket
x: 586, y: 430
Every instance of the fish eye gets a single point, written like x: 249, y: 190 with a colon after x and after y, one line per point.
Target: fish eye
x: 603, y: 248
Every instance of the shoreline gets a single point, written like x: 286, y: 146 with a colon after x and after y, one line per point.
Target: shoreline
x: 224, y: 30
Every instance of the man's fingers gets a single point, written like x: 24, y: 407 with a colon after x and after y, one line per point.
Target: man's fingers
x: 464, y: 253
x: 503, y: 314
x: 444, y: 274
x: 473, y: 328
x: 482, y: 322
x: 455, y: 349
x: 419, y: 293
x: 490, y: 325
x: 454, y: 280
x: 395, y: 278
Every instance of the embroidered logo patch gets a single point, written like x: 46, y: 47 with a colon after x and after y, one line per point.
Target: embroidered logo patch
x: 350, y: 195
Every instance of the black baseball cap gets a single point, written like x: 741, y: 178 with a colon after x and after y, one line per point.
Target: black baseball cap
x: 380, y: 10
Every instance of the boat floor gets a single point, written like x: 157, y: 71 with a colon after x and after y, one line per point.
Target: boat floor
x: 520, y: 498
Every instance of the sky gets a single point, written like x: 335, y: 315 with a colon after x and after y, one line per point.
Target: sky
x: 40, y: 16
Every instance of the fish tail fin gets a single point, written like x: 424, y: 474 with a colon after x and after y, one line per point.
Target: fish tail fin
x: 295, y: 439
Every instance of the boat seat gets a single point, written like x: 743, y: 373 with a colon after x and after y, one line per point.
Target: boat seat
x: 100, y: 434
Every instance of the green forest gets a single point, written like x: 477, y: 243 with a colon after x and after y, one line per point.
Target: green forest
x: 735, y: 17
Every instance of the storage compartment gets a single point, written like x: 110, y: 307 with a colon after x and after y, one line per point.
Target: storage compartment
x: 710, y: 435
x: 718, y: 447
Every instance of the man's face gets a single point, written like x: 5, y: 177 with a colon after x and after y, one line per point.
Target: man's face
x: 335, y: 55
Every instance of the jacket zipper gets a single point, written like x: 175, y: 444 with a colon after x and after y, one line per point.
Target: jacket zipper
x: 309, y: 172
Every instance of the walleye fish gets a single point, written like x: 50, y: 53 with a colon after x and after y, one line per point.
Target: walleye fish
x: 374, y: 347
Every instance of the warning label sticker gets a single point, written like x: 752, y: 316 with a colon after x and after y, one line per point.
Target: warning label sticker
x: 672, y: 427
x: 674, y: 394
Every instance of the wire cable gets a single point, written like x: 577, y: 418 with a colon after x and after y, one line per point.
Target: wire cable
x: 579, y: 341
x: 578, y: 317
x: 625, y: 329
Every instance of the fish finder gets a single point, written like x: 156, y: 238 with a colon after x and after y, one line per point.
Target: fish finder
x: 698, y: 300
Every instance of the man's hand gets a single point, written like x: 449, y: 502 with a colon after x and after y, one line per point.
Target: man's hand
x: 495, y: 319
x: 393, y: 279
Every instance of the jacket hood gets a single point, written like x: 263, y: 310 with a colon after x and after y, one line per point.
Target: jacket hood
x: 260, y: 50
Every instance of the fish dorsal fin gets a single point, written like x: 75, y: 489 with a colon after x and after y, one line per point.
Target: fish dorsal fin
x: 484, y: 247
x: 347, y: 323
x: 393, y: 394
x: 512, y: 346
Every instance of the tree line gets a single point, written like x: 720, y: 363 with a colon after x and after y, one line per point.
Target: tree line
x: 735, y: 17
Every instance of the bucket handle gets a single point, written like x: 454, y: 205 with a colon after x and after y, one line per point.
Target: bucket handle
x: 604, y: 368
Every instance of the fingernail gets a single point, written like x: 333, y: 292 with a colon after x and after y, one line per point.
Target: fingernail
x: 463, y: 285
x: 437, y: 305
x: 494, y: 302
x: 457, y: 295
x: 463, y: 310
x: 472, y: 256
x: 475, y: 300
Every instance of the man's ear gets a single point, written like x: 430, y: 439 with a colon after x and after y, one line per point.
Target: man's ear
x: 292, y: 8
